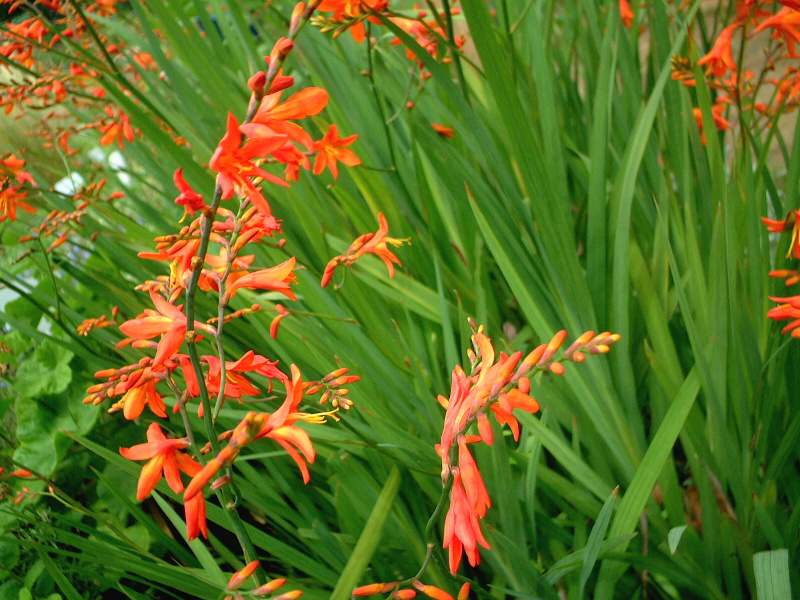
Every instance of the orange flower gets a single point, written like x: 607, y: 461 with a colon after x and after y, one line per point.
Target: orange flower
x: 369, y: 243
x: 445, y: 132
x: 141, y: 390
x: 476, y: 492
x: 719, y: 121
x: 272, y: 118
x: 116, y: 129
x: 169, y: 321
x: 236, y: 385
x: 789, y: 310
x: 500, y: 384
x: 785, y: 24
x: 273, y: 327
x: 277, y: 426
x: 720, y: 58
x: 462, y: 530
x: 235, y: 169
x: 350, y: 11
x: 626, y: 13
x: 195, y: 510
x: 165, y: 460
x: 779, y: 226
x: 190, y: 200
x: 276, y: 278
x: 11, y: 198
x: 331, y: 149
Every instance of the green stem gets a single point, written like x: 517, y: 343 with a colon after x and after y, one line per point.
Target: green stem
x: 374, y: 89
x: 52, y: 277
x: 456, y: 54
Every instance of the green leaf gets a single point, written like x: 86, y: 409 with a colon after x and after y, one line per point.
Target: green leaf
x: 674, y: 538
x: 595, y: 539
x: 58, y: 576
x: 369, y: 539
x: 46, y: 372
x: 772, y: 575
x: 637, y: 494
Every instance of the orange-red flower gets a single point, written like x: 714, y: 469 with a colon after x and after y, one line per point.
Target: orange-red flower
x: 626, y: 13
x: 445, y: 132
x: 236, y: 384
x: 273, y: 116
x: 785, y: 24
x: 719, y: 121
x: 462, y: 530
x: 275, y: 278
x: 331, y: 149
x: 277, y: 426
x: 164, y: 460
x: 116, y: 128
x: 432, y: 591
x: 195, y: 510
x: 12, y: 196
x: 374, y: 588
x: 141, y: 390
x: 780, y: 226
x: 369, y: 243
x: 234, y: 166
x: 720, y: 58
x: 790, y: 309
x: 239, y: 577
x: 169, y: 321
x: 190, y: 200
x: 350, y: 10
x: 273, y: 327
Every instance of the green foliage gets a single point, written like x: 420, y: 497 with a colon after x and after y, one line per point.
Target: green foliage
x: 575, y: 193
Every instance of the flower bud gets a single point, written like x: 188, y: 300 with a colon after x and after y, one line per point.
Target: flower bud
x: 374, y: 588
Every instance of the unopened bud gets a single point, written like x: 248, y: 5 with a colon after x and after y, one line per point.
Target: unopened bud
x: 257, y: 82
x: 293, y: 595
x: 297, y: 18
x: 463, y: 593
x: 374, y: 588
x: 269, y: 587
x: 218, y: 483
x: 335, y: 374
x: 281, y: 49
x: 241, y: 576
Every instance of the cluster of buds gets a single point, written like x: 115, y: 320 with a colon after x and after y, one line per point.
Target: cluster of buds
x: 135, y: 385
x: 400, y: 591
x: 739, y: 87
x: 428, y: 33
x: 240, y: 577
x: 98, y: 322
x: 329, y: 386
x: 60, y: 223
x: 591, y: 343
x: 24, y: 492
x: 238, y: 314
x: 500, y: 386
